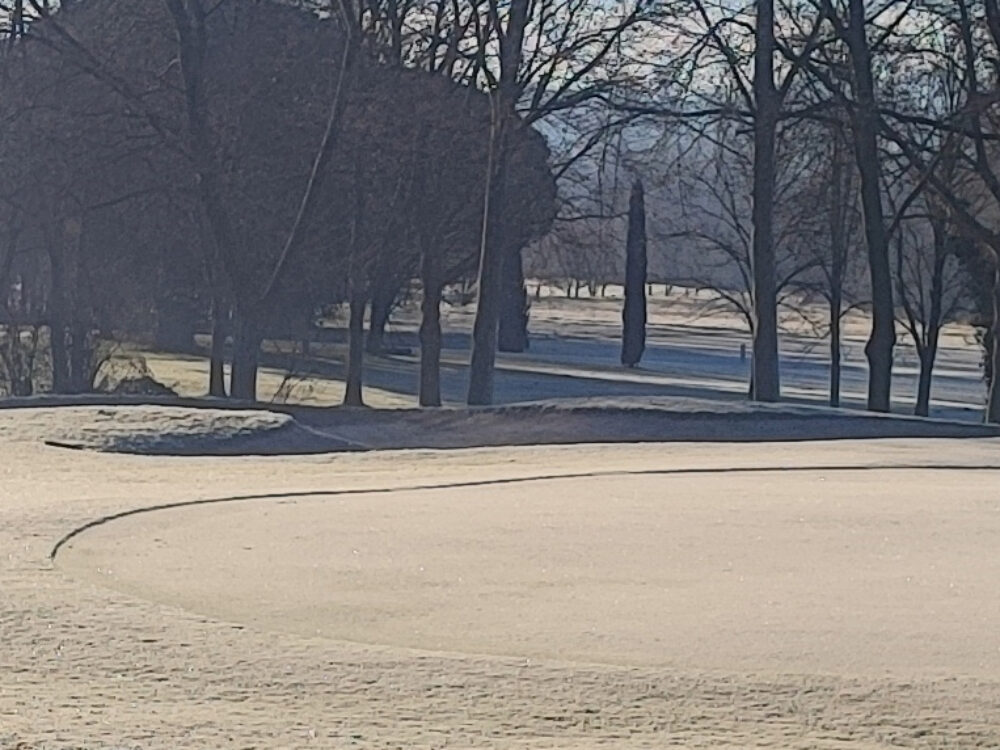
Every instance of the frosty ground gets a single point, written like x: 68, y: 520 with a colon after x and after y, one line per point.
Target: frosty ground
x: 694, y: 351
x: 208, y: 578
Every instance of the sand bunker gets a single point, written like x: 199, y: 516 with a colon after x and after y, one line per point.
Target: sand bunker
x: 847, y: 572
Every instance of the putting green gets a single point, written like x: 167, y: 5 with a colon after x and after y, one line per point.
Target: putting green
x: 877, y: 572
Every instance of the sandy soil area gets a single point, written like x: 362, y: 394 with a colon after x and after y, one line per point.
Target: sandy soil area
x: 866, y: 617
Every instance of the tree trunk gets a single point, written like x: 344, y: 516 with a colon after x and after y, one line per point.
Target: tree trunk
x: 17, y: 23
x: 430, y: 330
x: 513, y: 334
x: 79, y: 357
x: 60, y: 355
x: 217, y: 362
x: 932, y: 326
x: 634, y: 311
x: 355, y: 352
x: 835, y: 346
x: 359, y: 287
x: 176, y: 324
x: 766, y: 371
x: 923, y: 406
x: 484, y: 331
x: 993, y: 407
x: 57, y: 321
x: 882, y: 341
x: 383, y: 298
x: 841, y: 181
x: 246, y: 349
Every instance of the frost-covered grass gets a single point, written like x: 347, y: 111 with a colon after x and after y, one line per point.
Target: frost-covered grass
x: 143, y: 429
x: 691, y: 353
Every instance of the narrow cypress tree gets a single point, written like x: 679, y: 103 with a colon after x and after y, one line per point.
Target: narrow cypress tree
x: 634, y: 312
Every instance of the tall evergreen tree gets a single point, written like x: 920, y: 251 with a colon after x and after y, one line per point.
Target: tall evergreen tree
x: 634, y: 312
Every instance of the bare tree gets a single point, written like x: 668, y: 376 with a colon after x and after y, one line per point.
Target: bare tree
x: 930, y: 290
x: 963, y: 128
x: 506, y: 93
x: 197, y: 142
x: 766, y: 103
x: 835, y: 265
x: 857, y: 94
x: 577, y: 54
x: 732, y: 72
x: 713, y: 189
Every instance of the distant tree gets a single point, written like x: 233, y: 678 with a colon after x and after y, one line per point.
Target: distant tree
x: 977, y: 266
x: 536, y: 59
x: 836, y: 282
x: 854, y: 32
x: 748, y: 58
x: 930, y: 283
x: 634, y: 312
x: 255, y: 201
x: 950, y: 139
x: 446, y: 218
x: 713, y: 193
x: 246, y: 151
x: 846, y: 71
x: 835, y: 266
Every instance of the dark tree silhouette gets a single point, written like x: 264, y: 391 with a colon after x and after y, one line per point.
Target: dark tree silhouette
x: 634, y: 312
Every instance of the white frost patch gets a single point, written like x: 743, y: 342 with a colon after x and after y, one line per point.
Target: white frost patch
x: 138, y: 429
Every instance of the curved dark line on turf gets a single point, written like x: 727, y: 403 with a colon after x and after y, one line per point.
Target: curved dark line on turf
x: 498, y: 482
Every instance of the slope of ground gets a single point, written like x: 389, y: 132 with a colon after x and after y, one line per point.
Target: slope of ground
x: 618, y: 421
x: 193, y: 428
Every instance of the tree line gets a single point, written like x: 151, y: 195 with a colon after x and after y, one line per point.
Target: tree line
x: 906, y: 95
x: 251, y: 163
x: 839, y: 151
x: 254, y: 162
